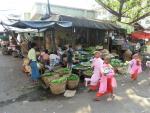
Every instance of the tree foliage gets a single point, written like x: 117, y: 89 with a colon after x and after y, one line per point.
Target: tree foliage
x: 127, y: 11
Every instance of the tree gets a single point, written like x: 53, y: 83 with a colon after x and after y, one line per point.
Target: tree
x: 127, y: 11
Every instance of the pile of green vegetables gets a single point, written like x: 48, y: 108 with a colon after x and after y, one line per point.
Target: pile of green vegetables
x: 88, y: 72
x: 80, y: 67
x: 83, y: 58
x: 47, y: 73
x: 90, y: 50
x: 63, y: 70
x: 66, y: 71
x: 59, y: 81
x: 117, y: 63
x: 86, y: 64
x: 73, y: 77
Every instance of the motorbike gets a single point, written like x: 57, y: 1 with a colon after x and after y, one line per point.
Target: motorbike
x: 6, y: 50
x: 17, y: 52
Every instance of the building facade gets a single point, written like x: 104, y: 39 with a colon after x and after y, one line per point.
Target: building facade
x: 40, y: 9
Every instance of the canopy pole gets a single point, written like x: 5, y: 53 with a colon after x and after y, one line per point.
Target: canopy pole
x: 53, y: 42
x: 49, y: 9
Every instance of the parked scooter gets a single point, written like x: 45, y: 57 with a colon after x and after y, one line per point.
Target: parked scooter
x: 17, y: 52
x: 7, y: 50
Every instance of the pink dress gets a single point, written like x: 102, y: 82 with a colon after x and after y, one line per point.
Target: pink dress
x: 97, y: 65
x: 108, y: 81
x: 133, y: 67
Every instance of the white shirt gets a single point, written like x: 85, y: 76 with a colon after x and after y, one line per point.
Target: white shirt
x: 54, y: 57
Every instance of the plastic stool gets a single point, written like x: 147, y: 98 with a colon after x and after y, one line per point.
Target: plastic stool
x: 87, y: 80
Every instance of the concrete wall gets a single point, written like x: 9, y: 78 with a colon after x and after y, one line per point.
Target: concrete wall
x: 40, y: 9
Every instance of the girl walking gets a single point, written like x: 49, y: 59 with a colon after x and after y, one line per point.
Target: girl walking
x: 135, y: 67
x: 107, y: 81
x: 96, y: 65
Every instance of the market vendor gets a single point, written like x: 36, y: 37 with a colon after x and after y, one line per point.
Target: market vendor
x: 33, y: 63
x: 69, y: 57
x: 44, y: 57
x: 54, y: 59
x: 97, y: 64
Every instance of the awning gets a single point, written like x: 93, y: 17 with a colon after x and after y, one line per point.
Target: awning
x: 140, y: 35
x: 86, y: 23
x: 39, y: 24
x: 20, y: 30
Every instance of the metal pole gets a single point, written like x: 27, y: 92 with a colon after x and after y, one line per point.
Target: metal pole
x: 49, y: 10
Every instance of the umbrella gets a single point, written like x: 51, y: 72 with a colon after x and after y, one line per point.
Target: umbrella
x: 140, y: 35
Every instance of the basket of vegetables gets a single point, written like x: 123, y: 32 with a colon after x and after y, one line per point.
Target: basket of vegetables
x: 58, y: 86
x: 88, y: 73
x: 49, y: 76
x: 63, y: 71
x: 73, y: 81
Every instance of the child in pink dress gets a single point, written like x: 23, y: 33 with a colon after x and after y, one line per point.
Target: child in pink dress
x: 96, y: 65
x: 135, y: 67
x: 108, y: 81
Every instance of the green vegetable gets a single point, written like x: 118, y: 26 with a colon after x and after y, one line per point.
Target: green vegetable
x: 66, y: 70
x: 116, y: 62
x: 48, y: 74
x: 59, y: 81
x: 86, y: 64
x: 88, y: 72
x: 73, y: 77
x: 63, y: 70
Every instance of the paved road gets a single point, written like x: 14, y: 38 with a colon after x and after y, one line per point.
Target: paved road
x: 17, y: 95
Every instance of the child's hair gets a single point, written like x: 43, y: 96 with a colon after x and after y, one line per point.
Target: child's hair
x: 107, y: 58
x: 135, y: 56
x: 46, y: 51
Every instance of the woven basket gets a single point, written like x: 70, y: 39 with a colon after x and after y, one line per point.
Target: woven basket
x: 48, y: 79
x: 58, y: 88
x: 72, y: 84
x: 66, y: 75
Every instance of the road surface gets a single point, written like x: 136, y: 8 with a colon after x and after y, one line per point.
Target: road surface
x: 18, y: 96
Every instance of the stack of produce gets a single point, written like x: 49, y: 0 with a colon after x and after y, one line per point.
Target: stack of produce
x: 80, y: 67
x: 58, y: 86
x: 88, y: 73
x: 119, y: 66
x: 116, y: 63
x: 63, y: 72
x: 86, y: 64
x: 72, y: 81
x: 90, y: 50
x: 47, y: 77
